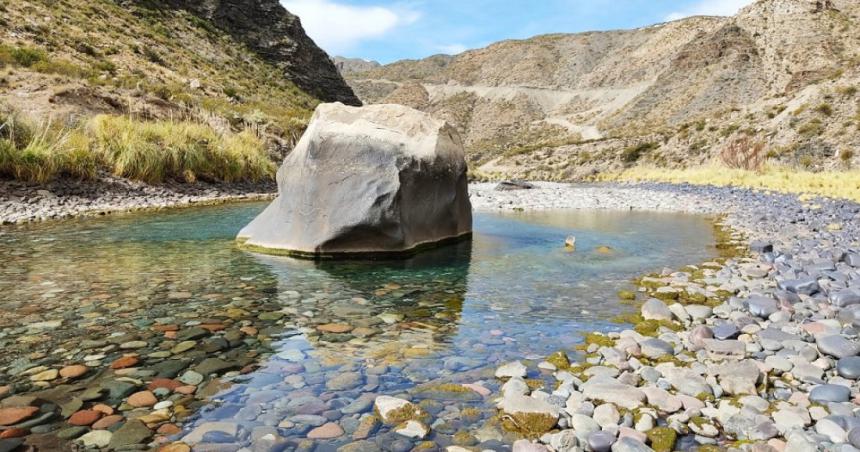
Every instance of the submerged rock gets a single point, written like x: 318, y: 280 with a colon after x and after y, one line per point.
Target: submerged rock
x: 379, y: 179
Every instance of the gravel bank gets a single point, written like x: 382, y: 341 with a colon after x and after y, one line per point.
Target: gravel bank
x: 23, y: 203
x: 754, y: 352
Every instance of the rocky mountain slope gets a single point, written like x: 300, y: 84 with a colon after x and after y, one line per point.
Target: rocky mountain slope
x: 567, y: 106
x: 354, y: 65
x: 233, y: 64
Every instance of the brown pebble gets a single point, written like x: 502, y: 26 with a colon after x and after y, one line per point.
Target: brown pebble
x: 73, y: 371
x: 212, y: 327
x: 335, y: 328
x: 84, y: 417
x: 165, y: 383
x: 186, y: 390
x: 326, y: 431
x: 12, y: 416
x: 104, y: 409
x: 142, y: 399
x: 249, y: 330
x: 175, y: 447
x: 107, y: 422
x: 14, y: 433
x: 170, y: 334
x: 125, y: 362
x: 169, y: 429
x: 165, y: 328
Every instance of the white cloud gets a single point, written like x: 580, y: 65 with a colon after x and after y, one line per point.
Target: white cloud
x: 710, y: 8
x: 452, y: 49
x: 338, y: 27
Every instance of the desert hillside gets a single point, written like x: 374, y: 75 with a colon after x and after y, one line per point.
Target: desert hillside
x: 567, y: 106
x: 193, y: 72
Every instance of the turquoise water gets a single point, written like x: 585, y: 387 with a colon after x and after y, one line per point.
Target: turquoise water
x: 74, y: 290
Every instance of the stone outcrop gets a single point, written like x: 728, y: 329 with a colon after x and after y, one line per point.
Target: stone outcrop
x: 276, y: 36
x: 383, y: 179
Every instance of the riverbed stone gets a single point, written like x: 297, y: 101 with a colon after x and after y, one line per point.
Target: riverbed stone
x: 612, y: 391
x: 600, y: 441
x: 529, y: 415
x: 412, y: 429
x: 830, y: 393
x: 326, y: 431
x: 393, y: 410
x: 654, y: 309
x: 737, y: 378
x: 837, y: 346
x: 849, y: 367
x: 655, y: 348
x: 762, y: 306
x: 512, y: 369
x: 132, y: 432
x: 96, y: 438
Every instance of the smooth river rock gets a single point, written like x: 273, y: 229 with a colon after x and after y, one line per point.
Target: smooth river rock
x: 380, y: 179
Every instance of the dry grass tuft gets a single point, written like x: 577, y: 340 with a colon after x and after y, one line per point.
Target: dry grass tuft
x: 150, y: 151
x: 744, y: 153
x: 177, y: 150
x: 40, y: 152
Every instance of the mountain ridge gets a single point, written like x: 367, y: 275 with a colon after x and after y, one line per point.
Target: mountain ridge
x: 535, y: 108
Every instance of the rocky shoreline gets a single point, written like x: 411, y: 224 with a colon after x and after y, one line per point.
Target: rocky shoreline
x: 757, y: 351
x: 63, y: 199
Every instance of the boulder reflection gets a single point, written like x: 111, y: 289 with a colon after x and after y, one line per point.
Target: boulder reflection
x: 379, y: 310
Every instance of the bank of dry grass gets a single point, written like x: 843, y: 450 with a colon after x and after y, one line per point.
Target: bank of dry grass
x: 149, y: 151
x: 834, y: 184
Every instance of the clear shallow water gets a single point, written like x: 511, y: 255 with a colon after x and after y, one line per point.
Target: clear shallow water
x: 74, y: 290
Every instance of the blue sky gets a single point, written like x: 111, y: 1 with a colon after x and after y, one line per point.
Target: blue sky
x: 387, y: 31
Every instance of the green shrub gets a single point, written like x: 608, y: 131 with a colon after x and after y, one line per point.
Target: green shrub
x: 60, y: 67
x: 27, y: 57
x: 813, y: 127
x: 632, y: 154
x: 847, y: 90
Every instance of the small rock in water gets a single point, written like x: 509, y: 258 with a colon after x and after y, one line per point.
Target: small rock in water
x: 394, y: 410
x: 96, y: 438
x: 512, y: 369
x: 413, y: 429
x: 326, y: 431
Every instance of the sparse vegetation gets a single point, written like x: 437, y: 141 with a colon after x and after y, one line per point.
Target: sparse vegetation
x: 847, y: 90
x: 811, y: 128
x: 744, y: 153
x: 632, y: 154
x: 836, y: 184
x: 825, y: 109
x: 845, y: 156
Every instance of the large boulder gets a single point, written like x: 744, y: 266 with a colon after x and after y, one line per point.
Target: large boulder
x: 375, y: 180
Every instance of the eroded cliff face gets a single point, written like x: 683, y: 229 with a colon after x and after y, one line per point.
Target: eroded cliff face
x: 564, y: 106
x: 277, y: 36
